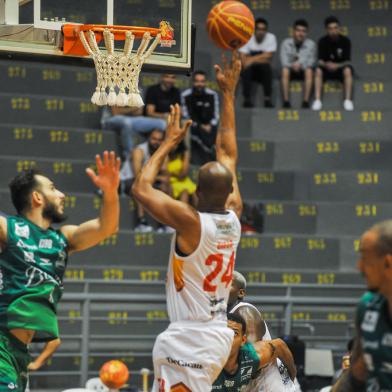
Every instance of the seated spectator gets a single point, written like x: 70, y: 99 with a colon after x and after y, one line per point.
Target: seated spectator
x: 129, y: 122
x: 182, y: 187
x: 132, y: 167
x: 201, y: 105
x: 297, y: 57
x: 256, y: 57
x: 160, y: 96
x: 334, y: 63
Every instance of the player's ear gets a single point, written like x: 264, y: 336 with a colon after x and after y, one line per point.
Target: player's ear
x: 388, y: 261
x: 241, y: 293
x: 244, y: 339
x: 36, y: 198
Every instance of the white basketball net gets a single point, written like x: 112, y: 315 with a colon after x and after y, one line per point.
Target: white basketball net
x: 118, y: 72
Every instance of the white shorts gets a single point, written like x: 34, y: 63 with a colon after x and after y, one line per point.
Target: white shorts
x: 189, y: 355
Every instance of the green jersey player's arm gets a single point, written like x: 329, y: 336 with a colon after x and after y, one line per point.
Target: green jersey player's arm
x: 226, y: 138
x: 354, y: 378
x: 3, y: 232
x: 92, y: 232
x: 270, y: 350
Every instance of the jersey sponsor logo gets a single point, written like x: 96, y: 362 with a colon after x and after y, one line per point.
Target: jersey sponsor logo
x: 12, y: 386
x: 217, y: 306
x: 372, y: 345
x: 387, y: 340
x: 36, y: 277
x: 224, y: 227
x: 45, y: 243
x: 181, y: 363
x: 60, y: 262
x: 225, y: 245
x: 21, y: 244
x: 22, y: 230
x: 370, y: 320
x: 28, y: 257
x: 369, y: 361
x: 246, y: 373
x: 386, y: 367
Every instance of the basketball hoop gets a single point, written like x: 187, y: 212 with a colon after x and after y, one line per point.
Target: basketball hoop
x: 117, y: 72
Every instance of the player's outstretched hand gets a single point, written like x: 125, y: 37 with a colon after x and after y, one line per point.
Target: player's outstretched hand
x: 108, y: 177
x: 175, y: 132
x: 227, y: 78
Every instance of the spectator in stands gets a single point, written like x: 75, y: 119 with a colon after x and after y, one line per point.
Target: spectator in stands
x: 129, y: 122
x: 160, y: 96
x: 256, y: 58
x: 182, y: 187
x: 334, y: 63
x: 297, y: 57
x: 201, y: 105
x: 139, y: 157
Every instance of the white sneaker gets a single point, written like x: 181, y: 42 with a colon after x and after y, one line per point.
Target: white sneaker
x: 142, y: 228
x: 348, y: 105
x: 317, y: 105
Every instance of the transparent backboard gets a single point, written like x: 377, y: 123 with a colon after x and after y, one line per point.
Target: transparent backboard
x: 33, y: 27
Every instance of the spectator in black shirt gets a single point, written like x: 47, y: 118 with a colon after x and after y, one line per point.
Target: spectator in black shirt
x: 160, y: 96
x: 334, y: 63
x: 201, y: 105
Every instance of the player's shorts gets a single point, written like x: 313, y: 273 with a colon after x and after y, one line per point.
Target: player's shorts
x: 189, y: 355
x: 14, y: 359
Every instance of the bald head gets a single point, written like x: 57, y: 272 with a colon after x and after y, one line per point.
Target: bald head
x: 215, y: 184
x: 239, y: 280
x: 384, y: 240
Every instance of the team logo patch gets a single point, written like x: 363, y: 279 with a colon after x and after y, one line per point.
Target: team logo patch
x: 180, y: 387
x: 370, y: 320
x: 246, y: 373
x: 12, y: 386
x: 29, y: 257
x: 22, y: 230
x: 387, y: 340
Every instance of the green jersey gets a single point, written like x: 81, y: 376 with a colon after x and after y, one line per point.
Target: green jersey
x: 32, y: 267
x: 248, y: 367
x: 375, y: 328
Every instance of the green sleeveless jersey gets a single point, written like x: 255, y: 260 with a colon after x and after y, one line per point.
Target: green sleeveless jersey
x: 375, y: 327
x: 32, y: 267
x: 248, y: 367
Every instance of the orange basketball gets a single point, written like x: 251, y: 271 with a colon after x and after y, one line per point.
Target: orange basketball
x: 230, y: 24
x: 114, y: 374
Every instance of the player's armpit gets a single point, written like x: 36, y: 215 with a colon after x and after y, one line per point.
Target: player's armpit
x: 348, y: 383
x: 270, y: 350
x: 353, y: 379
x: 3, y: 232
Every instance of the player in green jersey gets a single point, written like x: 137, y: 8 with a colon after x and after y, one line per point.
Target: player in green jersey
x: 33, y: 258
x: 371, y: 358
x: 246, y: 359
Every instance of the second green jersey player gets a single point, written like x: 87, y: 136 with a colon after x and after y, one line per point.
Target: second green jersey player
x: 247, y: 359
x: 371, y: 359
x: 33, y: 259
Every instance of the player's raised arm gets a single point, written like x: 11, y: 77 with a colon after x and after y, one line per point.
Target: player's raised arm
x: 162, y: 207
x: 94, y: 231
x: 226, y: 139
x: 270, y: 350
x: 354, y: 378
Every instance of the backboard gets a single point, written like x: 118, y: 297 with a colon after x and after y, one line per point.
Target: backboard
x: 32, y: 28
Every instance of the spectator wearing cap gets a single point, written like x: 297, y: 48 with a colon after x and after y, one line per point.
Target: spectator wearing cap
x: 334, y: 63
x: 256, y: 57
x: 297, y: 57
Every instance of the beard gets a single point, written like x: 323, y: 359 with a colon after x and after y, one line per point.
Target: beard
x: 50, y: 213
